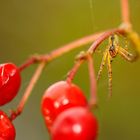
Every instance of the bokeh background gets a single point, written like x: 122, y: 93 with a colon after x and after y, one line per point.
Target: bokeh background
x: 30, y: 27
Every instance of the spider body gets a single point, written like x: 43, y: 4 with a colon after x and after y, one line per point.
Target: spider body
x: 113, y: 47
x: 112, y: 50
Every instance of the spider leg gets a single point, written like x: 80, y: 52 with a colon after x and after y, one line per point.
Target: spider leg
x: 109, y: 58
x: 102, y: 64
x: 126, y: 55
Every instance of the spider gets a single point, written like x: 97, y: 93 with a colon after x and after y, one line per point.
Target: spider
x: 110, y: 53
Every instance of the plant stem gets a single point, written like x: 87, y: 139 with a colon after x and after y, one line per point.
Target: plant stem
x: 60, y: 51
x: 74, y: 70
x: 93, y: 85
x: 125, y: 11
x: 28, y: 90
x: 65, y: 49
x: 104, y: 36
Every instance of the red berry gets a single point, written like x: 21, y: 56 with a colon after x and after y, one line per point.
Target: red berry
x: 76, y: 123
x: 7, y: 130
x: 58, y: 97
x: 9, y: 82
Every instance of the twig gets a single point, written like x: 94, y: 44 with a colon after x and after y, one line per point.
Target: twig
x: 28, y: 90
x: 65, y: 49
x: 60, y: 51
x: 103, y: 37
x: 93, y: 85
x: 74, y: 70
x: 125, y: 12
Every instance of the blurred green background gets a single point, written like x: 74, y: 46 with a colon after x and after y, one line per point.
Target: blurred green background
x: 38, y: 26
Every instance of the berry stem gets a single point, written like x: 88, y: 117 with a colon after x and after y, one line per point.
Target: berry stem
x: 125, y: 11
x: 104, y: 36
x: 66, y: 48
x: 27, y: 63
x: 73, y: 71
x: 60, y: 51
x: 93, y: 85
x: 28, y: 91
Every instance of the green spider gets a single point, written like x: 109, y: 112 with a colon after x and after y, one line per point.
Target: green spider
x: 110, y: 53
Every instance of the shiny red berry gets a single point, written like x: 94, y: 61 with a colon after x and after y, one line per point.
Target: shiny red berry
x: 9, y: 82
x: 58, y: 97
x: 76, y: 123
x: 7, y: 130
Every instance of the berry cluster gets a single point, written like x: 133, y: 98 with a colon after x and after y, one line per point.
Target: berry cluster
x: 66, y: 113
x: 9, y: 85
x: 64, y: 107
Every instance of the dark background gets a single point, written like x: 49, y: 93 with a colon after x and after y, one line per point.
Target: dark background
x: 38, y: 26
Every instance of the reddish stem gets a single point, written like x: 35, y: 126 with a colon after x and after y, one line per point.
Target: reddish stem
x: 103, y: 37
x: 66, y: 48
x: 73, y: 71
x: 28, y: 90
x: 93, y: 85
x: 73, y: 45
x: 60, y: 51
x: 27, y: 63
x: 125, y: 11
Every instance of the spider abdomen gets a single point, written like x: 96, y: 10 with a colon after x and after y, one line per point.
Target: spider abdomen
x: 112, y: 51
